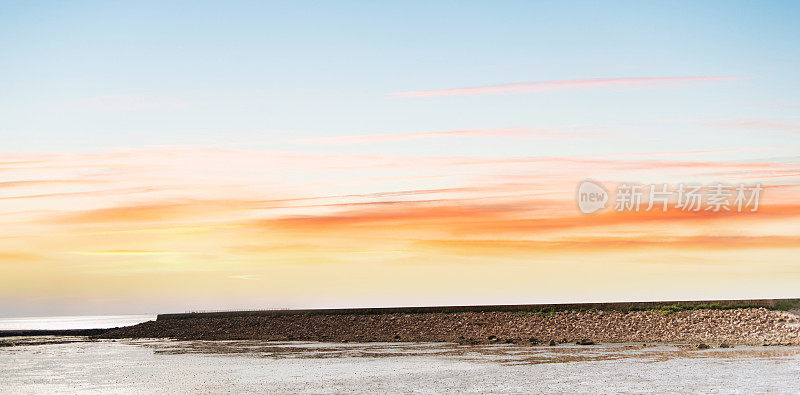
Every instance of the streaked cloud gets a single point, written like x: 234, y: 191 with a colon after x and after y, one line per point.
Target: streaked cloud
x: 34, y: 183
x: 608, y: 243
x: 129, y: 252
x: 534, y: 86
x: 210, y: 217
x: 762, y: 124
x: 249, y: 277
x: 531, y: 216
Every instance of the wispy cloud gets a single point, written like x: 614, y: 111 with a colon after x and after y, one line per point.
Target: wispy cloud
x: 220, y: 219
x: 29, y: 183
x: 548, y: 133
x: 472, y: 247
x: 528, y: 217
x: 762, y: 124
x: 560, y: 84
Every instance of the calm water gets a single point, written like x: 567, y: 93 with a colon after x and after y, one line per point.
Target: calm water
x: 150, y: 366
x: 73, y: 322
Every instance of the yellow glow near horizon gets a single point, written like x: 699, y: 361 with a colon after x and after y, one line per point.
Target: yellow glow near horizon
x: 147, y: 236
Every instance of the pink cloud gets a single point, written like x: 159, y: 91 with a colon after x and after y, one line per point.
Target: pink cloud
x: 762, y: 125
x: 557, y: 84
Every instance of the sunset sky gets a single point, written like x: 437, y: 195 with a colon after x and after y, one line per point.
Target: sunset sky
x: 177, y: 156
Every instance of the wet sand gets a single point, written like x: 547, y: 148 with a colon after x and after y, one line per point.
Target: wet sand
x: 151, y: 366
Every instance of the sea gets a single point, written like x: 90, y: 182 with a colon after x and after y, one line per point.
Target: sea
x: 73, y: 322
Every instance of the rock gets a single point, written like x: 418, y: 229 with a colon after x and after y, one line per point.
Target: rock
x: 584, y: 342
x: 492, y: 338
x: 725, y: 345
x: 703, y: 346
x: 552, y: 343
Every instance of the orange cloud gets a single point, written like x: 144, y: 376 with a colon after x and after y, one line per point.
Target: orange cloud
x: 157, y: 212
x: 532, y: 216
x: 200, y: 217
x: 558, y: 84
x: 396, y: 214
x: 584, y: 245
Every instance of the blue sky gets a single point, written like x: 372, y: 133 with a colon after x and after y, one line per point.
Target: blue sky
x: 259, y: 73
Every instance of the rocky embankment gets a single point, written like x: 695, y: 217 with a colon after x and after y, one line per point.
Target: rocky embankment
x: 752, y: 326
x: 51, y: 332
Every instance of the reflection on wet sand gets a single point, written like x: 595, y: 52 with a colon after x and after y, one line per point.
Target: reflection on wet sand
x: 17, y: 341
x: 504, y: 354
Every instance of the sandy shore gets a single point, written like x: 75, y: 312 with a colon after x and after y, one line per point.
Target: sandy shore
x: 751, y: 326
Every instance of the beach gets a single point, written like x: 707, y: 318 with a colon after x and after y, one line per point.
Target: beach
x: 706, y: 346
x: 250, y: 366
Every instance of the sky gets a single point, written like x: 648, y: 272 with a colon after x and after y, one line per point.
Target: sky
x: 183, y: 156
